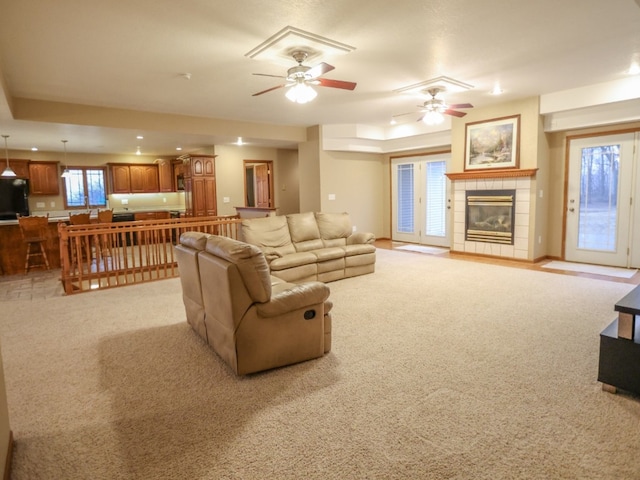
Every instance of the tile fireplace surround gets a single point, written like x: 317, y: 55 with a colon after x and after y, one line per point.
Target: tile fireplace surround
x: 518, y: 180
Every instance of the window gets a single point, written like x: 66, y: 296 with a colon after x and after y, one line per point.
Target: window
x: 85, y: 188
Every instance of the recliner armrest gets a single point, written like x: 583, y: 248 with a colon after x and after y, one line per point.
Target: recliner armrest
x: 294, y: 297
x: 360, y: 237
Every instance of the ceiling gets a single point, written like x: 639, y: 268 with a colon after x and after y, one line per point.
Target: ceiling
x: 134, y: 55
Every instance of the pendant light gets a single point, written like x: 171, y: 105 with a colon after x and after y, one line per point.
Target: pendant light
x: 8, y: 172
x: 65, y: 172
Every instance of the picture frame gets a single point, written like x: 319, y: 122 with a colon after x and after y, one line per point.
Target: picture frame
x: 492, y: 144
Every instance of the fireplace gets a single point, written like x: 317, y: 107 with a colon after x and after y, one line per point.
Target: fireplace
x: 489, y: 216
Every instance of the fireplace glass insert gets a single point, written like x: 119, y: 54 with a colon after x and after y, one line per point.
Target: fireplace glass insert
x: 489, y: 216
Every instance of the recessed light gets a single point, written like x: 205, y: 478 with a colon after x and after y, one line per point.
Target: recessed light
x: 497, y: 90
x: 634, y: 69
x: 139, y: 137
x: 34, y: 149
x: 179, y: 149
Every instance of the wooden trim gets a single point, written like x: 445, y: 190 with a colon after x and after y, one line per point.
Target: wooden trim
x: 480, y: 174
x: 7, y: 463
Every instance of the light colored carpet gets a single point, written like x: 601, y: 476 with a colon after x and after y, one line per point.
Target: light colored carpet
x: 423, y: 249
x: 440, y: 369
x: 588, y: 268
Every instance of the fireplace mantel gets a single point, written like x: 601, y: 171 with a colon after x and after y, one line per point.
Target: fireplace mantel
x: 477, y: 174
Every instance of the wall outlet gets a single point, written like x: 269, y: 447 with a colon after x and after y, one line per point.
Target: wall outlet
x: 332, y: 196
x: 354, y: 229
x: 226, y: 200
x: 124, y: 201
x: 39, y: 204
x: 52, y: 204
x: 164, y: 199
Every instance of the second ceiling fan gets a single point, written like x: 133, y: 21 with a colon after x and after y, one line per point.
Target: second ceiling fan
x: 301, y: 77
x: 433, y: 109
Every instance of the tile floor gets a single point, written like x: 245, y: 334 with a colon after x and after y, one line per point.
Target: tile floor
x: 37, y: 284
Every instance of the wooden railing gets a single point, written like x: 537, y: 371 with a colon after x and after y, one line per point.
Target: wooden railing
x: 106, y: 255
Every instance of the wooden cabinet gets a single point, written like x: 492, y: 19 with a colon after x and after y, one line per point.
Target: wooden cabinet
x: 160, y: 215
x: 120, y: 179
x: 127, y: 178
x: 178, y: 175
x: 165, y: 176
x: 200, y: 186
x: 144, y: 178
x: 44, y: 178
x: 20, y: 167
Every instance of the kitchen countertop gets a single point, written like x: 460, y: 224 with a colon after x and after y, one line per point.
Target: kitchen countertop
x: 64, y: 216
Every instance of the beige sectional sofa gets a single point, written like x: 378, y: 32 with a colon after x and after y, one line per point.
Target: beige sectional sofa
x: 311, y: 246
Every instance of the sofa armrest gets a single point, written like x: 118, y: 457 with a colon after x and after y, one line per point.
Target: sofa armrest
x: 360, y: 237
x: 293, y: 297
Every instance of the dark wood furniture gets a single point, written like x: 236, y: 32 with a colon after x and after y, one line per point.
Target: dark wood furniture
x: 134, y: 178
x: 619, y: 365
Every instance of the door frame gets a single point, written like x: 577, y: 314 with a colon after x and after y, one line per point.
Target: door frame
x: 435, y: 153
x: 567, y: 171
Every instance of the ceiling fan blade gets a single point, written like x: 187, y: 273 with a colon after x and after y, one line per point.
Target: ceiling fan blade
x: 454, y: 113
x: 420, y: 118
x: 267, y: 75
x: 319, y: 69
x: 325, y: 82
x: 461, y: 105
x: 268, y: 90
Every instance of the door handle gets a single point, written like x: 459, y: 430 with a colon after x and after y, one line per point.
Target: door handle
x: 572, y: 209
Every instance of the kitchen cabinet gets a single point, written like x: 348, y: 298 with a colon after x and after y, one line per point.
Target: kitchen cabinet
x: 134, y: 178
x: 44, y: 178
x: 200, y: 185
x: 178, y: 175
x: 144, y: 178
x: 20, y: 167
x: 165, y: 175
x: 159, y: 215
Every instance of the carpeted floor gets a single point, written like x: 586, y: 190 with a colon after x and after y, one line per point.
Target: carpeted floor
x: 440, y: 369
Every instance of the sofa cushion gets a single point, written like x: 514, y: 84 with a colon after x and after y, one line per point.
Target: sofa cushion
x: 304, y: 231
x: 293, y: 260
x: 271, y: 234
x: 250, y: 262
x: 334, y: 228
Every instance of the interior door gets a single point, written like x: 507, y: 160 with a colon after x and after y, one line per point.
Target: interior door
x: 261, y: 179
x: 601, y: 221
x: 420, y: 200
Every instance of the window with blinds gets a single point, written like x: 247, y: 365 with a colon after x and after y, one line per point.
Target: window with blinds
x: 436, y: 208
x: 405, y: 208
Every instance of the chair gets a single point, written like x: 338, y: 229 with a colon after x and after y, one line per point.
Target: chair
x: 103, y: 243
x: 105, y: 216
x: 252, y: 320
x: 34, y: 234
x: 84, y: 245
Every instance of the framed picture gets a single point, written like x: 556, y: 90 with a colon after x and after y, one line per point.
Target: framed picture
x: 492, y: 144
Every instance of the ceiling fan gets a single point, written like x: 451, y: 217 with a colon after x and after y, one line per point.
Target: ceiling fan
x: 434, y: 108
x: 301, y: 77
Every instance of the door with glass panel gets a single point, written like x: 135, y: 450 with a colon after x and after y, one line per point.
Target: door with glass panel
x: 602, y: 221
x: 419, y: 195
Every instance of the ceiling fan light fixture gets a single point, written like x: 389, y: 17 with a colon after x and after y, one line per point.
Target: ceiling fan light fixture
x: 8, y: 172
x: 301, y: 93
x: 433, y: 117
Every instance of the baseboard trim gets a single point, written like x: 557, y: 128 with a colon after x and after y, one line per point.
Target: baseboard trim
x: 7, y: 465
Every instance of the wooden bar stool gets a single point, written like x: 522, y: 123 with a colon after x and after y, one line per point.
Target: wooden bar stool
x: 81, y: 249
x: 34, y: 234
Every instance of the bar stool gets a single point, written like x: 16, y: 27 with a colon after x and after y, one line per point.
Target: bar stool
x: 83, y: 246
x: 103, y: 241
x: 34, y: 234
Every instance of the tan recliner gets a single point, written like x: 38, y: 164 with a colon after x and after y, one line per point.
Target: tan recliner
x: 252, y: 320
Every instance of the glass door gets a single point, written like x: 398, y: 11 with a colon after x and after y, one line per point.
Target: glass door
x: 420, y: 200
x: 600, y: 212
